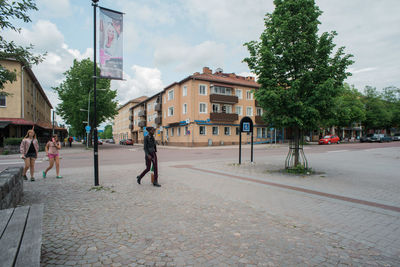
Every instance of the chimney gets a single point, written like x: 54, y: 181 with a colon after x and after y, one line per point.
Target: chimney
x: 207, y: 70
x: 250, y: 78
x: 196, y: 73
x: 232, y: 75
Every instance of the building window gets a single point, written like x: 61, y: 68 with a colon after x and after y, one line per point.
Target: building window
x: 238, y: 93
x: 184, y: 109
x: 259, y: 134
x: 249, y: 95
x: 186, y: 130
x: 203, y: 108
x: 172, y: 131
x: 222, y: 90
x: 167, y: 132
x: 263, y: 133
x: 215, y: 108
x: 184, y: 91
x: 215, y: 130
x: 179, y: 131
x: 149, y: 107
x: 170, y: 95
x: 239, y: 110
x: 249, y: 111
x: 227, y: 109
x: 202, y: 89
x: 170, y: 111
x: 227, y: 130
x: 259, y: 112
x: 202, y: 130
x: 237, y: 131
x: 165, y: 99
x: 3, y: 101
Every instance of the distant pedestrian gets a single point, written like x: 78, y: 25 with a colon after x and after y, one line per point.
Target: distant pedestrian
x: 70, y: 139
x: 150, y: 150
x: 29, y: 149
x: 52, y: 151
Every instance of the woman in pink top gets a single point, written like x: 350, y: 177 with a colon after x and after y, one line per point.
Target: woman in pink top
x: 29, y: 149
x: 52, y: 148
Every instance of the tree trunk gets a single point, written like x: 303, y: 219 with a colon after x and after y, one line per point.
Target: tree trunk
x: 296, y: 150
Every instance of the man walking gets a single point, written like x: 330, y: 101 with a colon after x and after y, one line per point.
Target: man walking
x: 150, y: 151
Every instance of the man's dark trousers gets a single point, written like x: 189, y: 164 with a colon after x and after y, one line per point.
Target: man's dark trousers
x: 148, y: 166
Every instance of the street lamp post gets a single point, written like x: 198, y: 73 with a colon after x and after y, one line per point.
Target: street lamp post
x: 88, y: 112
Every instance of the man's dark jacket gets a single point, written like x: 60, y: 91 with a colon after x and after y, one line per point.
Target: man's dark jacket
x: 149, y: 144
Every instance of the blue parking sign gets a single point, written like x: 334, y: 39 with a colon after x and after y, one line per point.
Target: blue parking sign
x: 246, y: 126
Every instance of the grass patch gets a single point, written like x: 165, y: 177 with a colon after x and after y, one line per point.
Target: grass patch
x: 101, y: 188
x: 300, y: 169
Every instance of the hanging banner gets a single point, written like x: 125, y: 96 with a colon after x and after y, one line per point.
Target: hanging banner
x: 110, y: 44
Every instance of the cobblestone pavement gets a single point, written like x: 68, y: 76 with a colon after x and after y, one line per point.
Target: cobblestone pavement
x: 199, y: 219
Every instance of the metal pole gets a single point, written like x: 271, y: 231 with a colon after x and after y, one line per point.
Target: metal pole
x: 53, y: 122
x: 88, y: 112
x: 240, y: 147
x: 251, y: 147
x: 95, y: 150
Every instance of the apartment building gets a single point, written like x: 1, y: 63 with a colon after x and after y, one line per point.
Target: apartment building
x: 25, y: 106
x: 201, y: 110
x: 121, y: 127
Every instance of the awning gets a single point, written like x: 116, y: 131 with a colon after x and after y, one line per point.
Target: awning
x: 4, y: 124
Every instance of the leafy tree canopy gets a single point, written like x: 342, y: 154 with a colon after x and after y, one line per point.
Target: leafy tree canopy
x: 74, y: 93
x: 298, y: 74
x: 15, y: 10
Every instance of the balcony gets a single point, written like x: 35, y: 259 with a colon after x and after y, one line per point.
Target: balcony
x: 142, y: 113
x: 157, y: 120
x: 157, y: 107
x: 142, y: 124
x: 259, y: 120
x: 226, y: 99
x: 226, y: 117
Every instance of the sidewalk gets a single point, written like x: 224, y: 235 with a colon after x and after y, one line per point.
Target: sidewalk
x: 200, y: 218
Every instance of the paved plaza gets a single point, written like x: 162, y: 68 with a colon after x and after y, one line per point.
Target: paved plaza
x: 212, y: 212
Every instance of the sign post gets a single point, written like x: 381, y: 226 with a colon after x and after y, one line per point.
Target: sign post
x: 246, y: 125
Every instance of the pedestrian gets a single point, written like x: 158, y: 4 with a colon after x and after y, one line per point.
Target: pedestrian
x: 70, y: 139
x: 29, y: 149
x: 150, y: 150
x: 52, y: 151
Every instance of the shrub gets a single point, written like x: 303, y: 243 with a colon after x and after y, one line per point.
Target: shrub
x: 6, y: 152
x: 12, y: 141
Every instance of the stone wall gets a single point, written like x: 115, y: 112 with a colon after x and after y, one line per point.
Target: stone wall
x: 11, y: 187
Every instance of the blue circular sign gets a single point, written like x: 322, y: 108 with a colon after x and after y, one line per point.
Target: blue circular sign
x: 87, y: 128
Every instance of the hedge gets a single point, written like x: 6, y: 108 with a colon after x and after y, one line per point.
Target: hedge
x: 12, y: 141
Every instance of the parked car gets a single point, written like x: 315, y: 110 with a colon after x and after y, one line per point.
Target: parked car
x: 329, y: 139
x: 129, y: 142
x: 385, y: 138
x: 100, y: 142
x: 111, y: 141
x: 376, y: 137
x: 122, y: 141
x: 396, y: 137
x: 366, y: 138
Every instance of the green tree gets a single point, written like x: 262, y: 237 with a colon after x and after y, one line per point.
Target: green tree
x: 378, y: 116
x: 298, y: 76
x: 74, y: 93
x: 107, y: 134
x: 349, y: 107
x: 391, y: 95
x: 9, y: 11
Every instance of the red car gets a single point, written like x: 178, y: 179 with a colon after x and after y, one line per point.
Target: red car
x: 129, y: 142
x: 329, y: 139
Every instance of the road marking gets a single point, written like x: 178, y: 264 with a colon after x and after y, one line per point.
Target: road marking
x: 16, y: 162
x: 336, y: 151
x: 299, y: 189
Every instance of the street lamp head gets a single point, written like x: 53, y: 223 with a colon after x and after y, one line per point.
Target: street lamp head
x: 83, y: 109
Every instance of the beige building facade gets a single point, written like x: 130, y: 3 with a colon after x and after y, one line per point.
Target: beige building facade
x: 203, y: 109
x: 121, y: 127
x: 25, y: 105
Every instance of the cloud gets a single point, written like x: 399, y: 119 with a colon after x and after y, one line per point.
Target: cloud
x: 145, y: 81
x: 183, y: 57
x: 55, y: 9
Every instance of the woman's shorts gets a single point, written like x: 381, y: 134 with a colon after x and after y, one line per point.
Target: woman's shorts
x: 53, y: 156
x: 29, y: 155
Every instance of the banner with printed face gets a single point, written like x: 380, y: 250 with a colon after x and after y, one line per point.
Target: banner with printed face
x: 110, y: 41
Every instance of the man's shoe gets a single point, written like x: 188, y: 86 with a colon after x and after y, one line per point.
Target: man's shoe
x: 138, y: 179
x: 44, y: 175
x: 156, y: 185
x: 32, y: 179
x: 25, y: 177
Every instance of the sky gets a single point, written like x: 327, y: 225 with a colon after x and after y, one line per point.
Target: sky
x: 166, y: 41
